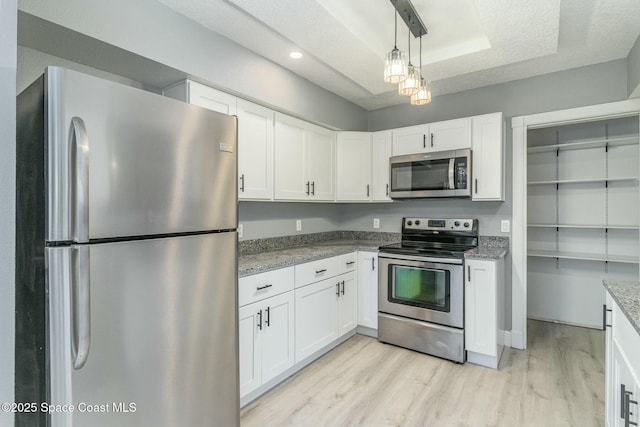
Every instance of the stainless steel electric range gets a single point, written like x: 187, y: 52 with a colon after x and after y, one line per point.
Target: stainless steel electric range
x: 421, y: 286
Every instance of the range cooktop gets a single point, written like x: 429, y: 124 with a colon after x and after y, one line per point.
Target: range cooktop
x: 443, y: 238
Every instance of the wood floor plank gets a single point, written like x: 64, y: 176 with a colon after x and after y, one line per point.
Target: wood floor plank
x: 558, y: 381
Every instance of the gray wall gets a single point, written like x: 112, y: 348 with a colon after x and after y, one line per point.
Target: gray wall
x: 271, y: 219
x: 633, y: 71
x: 7, y: 195
x: 169, y: 38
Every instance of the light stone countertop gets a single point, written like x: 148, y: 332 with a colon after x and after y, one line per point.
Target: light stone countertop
x: 627, y: 295
x: 259, y: 256
x: 259, y: 262
x: 486, y: 253
x: 489, y: 247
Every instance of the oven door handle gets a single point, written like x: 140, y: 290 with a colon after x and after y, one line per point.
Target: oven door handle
x: 432, y: 260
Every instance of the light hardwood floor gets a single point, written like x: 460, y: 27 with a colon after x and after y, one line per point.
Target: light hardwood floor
x: 557, y: 381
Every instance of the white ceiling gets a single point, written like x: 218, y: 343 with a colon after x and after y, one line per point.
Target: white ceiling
x: 470, y: 43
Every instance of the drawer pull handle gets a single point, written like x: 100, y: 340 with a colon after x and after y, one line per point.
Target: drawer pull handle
x: 338, y: 289
x: 268, y: 285
x: 342, y: 287
x: 351, y: 262
x: 321, y: 271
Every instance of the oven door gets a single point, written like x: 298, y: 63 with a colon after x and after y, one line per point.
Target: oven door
x: 430, y: 290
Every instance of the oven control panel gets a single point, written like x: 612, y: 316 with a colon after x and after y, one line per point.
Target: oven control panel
x: 440, y: 224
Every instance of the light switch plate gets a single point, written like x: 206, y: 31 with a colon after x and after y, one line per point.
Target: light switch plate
x: 240, y: 230
x: 376, y: 222
x: 298, y: 225
x: 505, y: 225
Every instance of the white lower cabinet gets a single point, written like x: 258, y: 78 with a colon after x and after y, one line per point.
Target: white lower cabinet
x: 325, y: 311
x: 266, y: 340
x: 622, y: 369
x: 484, y: 311
x: 316, y: 317
x: 347, y: 303
x: 368, y: 289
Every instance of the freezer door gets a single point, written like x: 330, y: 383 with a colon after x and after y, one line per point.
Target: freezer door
x: 157, y: 345
x: 125, y: 162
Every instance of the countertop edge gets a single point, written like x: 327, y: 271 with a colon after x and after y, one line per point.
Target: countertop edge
x: 610, y: 286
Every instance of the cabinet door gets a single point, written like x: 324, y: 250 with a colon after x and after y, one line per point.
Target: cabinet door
x: 250, y: 348
x: 255, y: 151
x: 316, y: 317
x: 608, y: 360
x: 450, y: 135
x: 277, y: 335
x: 212, y: 99
x: 410, y: 140
x: 354, y: 166
x: 381, y: 151
x: 624, y: 376
x: 480, y: 320
x: 289, y: 160
x: 320, y: 160
x: 487, y: 165
x: 368, y: 289
x: 348, y: 303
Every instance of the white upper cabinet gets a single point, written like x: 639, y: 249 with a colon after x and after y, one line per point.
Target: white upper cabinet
x: 487, y: 164
x: 255, y: 151
x: 202, y: 96
x: 289, y: 159
x: 320, y: 160
x: 450, y: 135
x: 304, y: 160
x: 381, y: 151
x: 439, y: 136
x: 410, y: 140
x: 354, y: 169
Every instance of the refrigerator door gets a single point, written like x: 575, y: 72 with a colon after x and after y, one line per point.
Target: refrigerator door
x: 125, y: 162
x: 158, y: 343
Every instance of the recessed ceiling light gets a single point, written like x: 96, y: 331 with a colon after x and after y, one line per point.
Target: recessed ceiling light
x: 295, y: 54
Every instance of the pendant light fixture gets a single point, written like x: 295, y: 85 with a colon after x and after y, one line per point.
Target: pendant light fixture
x: 412, y: 83
x: 423, y: 95
x: 395, y: 64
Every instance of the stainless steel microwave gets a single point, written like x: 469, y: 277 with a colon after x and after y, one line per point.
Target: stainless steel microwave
x: 439, y: 174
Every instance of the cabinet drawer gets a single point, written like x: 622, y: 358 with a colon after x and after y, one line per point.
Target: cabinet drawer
x: 314, y: 271
x: 347, y: 262
x: 264, y: 285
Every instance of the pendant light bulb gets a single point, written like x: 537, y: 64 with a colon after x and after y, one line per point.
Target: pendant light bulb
x: 395, y: 63
x: 411, y: 84
x: 423, y: 95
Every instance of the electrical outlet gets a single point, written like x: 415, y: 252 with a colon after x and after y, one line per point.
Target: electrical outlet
x: 504, y: 225
x: 298, y: 225
x: 376, y: 222
x: 240, y: 230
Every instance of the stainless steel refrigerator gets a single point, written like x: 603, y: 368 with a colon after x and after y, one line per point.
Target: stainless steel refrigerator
x: 126, y: 260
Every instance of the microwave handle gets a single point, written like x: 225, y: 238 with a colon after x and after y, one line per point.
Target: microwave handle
x: 452, y: 183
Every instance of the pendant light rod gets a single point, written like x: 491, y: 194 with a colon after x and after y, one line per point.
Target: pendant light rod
x: 410, y: 17
x: 409, y: 48
x: 395, y: 31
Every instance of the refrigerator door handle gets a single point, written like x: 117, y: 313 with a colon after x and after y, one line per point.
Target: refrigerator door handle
x: 80, y: 306
x: 80, y: 179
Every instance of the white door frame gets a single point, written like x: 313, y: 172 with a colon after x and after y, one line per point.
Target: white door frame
x: 520, y: 125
